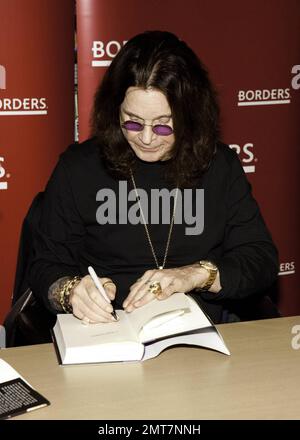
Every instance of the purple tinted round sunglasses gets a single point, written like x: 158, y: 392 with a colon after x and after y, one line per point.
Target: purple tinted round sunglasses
x: 160, y: 129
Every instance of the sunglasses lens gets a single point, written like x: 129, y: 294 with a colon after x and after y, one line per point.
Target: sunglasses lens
x: 162, y: 130
x: 132, y: 126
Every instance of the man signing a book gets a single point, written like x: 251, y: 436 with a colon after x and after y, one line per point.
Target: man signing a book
x: 153, y: 201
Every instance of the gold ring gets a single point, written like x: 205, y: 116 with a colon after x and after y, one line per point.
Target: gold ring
x: 155, y: 288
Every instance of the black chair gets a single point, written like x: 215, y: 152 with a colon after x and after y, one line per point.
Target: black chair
x: 259, y: 306
x: 28, y: 322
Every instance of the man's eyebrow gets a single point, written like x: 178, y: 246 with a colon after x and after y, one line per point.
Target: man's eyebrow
x: 139, y: 117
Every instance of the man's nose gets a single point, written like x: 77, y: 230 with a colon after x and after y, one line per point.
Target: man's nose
x: 147, y: 135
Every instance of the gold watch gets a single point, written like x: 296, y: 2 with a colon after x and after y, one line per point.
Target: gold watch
x: 212, y: 270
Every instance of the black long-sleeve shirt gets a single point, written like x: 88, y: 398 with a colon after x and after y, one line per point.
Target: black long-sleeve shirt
x: 70, y: 238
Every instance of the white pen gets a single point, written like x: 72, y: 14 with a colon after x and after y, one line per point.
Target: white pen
x: 100, y: 288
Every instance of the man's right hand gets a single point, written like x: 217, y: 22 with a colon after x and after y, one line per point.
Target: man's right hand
x: 87, y: 302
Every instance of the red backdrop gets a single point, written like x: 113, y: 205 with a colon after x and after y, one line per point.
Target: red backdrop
x: 252, y: 52
x: 36, y: 111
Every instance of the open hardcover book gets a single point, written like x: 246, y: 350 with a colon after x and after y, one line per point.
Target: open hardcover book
x: 139, y: 335
x: 16, y: 395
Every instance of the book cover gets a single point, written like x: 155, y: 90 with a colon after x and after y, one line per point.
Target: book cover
x: 16, y: 395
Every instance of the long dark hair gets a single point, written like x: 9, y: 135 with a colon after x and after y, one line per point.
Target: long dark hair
x: 159, y: 60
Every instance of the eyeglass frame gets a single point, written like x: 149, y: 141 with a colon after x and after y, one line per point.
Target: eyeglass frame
x: 147, y: 125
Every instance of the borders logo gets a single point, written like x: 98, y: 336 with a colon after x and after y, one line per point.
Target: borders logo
x: 246, y: 155
x: 20, y: 106
x: 264, y: 97
x: 3, y: 185
x: 270, y: 96
x: 288, y: 268
x: 103, y: 53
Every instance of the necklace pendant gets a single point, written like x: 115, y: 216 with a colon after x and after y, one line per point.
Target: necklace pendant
x: 160, y: 267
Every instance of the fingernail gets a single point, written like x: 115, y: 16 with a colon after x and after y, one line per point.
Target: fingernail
x: 109, y: 309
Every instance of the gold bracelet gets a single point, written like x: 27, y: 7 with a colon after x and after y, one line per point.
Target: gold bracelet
x: 65, y: 293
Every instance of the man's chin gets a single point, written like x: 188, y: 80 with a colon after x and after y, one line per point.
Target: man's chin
x: 149, y: 154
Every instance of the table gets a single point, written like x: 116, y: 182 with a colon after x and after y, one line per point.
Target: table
x: 260, y: 380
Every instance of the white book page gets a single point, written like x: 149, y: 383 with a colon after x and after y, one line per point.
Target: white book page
x: 105, y: 342
x: 143, y: 315
x: 207, y: 337
x: 193, y: 318
x: 77, y: 334
x: 7, y: 372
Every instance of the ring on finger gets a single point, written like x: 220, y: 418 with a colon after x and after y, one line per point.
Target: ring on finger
x: 108, y: 282
x: 155, y: 288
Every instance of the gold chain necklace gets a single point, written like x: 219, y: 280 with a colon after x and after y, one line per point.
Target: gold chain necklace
x: 160, y: 267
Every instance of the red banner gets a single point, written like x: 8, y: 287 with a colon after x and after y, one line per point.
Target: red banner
x: 252, y: 53
x: 36, y: 111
